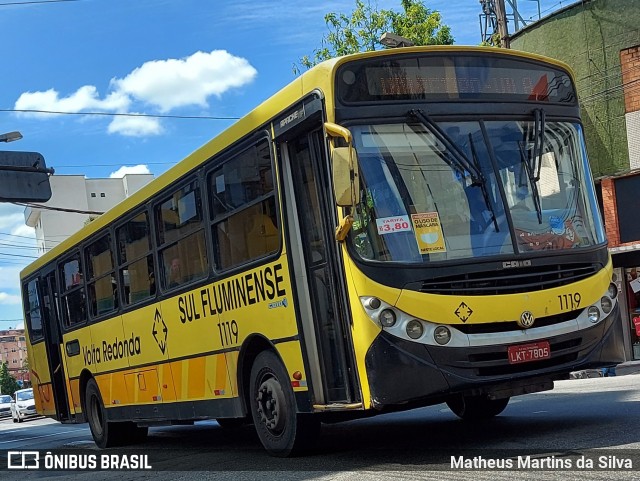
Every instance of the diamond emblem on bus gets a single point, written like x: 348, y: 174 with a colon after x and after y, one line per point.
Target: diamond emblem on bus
x: 160, y: 331
x: 463, y: 312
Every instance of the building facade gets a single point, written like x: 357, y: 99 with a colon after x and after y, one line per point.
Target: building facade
x: 13, y: 351
x: 600, y: 40
x: 73, y: 193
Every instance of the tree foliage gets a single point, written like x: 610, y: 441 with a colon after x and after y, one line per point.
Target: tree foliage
x: 8, y: 383
x: 361, y: 30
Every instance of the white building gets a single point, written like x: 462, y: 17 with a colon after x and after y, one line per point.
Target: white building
x: 77, y: 193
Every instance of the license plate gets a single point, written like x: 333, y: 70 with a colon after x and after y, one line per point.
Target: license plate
x: 536, y: 351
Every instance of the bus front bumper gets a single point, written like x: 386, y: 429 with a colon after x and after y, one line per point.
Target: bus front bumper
x: 400, y: 371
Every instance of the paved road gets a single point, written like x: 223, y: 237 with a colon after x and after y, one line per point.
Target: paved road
x: 580, y: 418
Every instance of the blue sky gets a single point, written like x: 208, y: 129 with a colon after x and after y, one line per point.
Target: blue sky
x: 198, y: 58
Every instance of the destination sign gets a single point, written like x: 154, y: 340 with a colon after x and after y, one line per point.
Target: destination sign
x: 453, y: 77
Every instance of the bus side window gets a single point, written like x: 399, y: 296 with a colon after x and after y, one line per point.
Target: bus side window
x: 101, y: 282
x: 72, y: 296
x: 245, y: 224
x: 181, y: 241
x: 136, y: 267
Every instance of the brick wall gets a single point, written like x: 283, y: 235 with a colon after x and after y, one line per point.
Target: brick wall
x: 630, y: 67
x: 610, y: 211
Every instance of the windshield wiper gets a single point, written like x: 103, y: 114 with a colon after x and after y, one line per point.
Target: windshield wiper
x: 533, y: 162
x: 483, y: 184
x: 457, y: 159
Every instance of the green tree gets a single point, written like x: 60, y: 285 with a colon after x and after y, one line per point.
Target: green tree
x: 361, y: 31
x: 8, y: 383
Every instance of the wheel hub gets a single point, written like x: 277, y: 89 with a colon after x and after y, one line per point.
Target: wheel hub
x: 270, y: 401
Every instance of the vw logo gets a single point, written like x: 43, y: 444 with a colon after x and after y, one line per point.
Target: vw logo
x: 526, y: 320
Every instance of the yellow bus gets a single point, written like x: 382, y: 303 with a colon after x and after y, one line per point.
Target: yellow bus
x: 393, y: 229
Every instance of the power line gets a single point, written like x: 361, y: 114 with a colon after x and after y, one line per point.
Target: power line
x: 34, y: 2
x: 59, y: 209
x: 117, y: 114
x: 18, y: 255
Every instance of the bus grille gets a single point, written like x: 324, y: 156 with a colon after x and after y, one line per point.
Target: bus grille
x: 512, y: 281
x: 497, y: 364
x: 493, y: 327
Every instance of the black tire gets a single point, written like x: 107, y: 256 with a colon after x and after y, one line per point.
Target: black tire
x: 231, y: 423
x: 475, y: 408
x: 105, y: 434
x: 281, y: 430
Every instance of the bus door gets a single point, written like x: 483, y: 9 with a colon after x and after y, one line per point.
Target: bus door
x: 315, y: 258
x: 53, y: 340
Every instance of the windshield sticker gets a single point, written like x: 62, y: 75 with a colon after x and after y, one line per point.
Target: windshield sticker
x: 428, y: 231
x: 389, y: 225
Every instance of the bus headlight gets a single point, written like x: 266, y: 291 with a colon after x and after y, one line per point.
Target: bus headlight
x: 387, y: 318
x: 414, y: 329
x: 442, y: 335
x: 372, y: 303
x: 606, y: 305
x: 613, y: 291
x: 594, y: 314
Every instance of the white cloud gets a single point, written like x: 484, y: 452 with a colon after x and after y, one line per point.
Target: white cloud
x: 163, y: 84
x: 83, y: 99
x: 25, y: 231
x: 124, y: 170
x: 173, y: 83
x: 9, y: 298
x: 135, y: 126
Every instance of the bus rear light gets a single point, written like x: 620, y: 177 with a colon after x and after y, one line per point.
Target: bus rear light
x: 442, y: 335
x: 612, y: 292
x: 594, y: 314
x: 387, y: 318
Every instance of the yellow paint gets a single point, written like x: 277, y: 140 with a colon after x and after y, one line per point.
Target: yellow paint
x: 196, y: 378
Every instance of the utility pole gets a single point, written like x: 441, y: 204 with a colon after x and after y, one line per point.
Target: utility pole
x: 501, y: 14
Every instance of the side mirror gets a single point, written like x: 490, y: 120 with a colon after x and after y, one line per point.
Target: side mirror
x: 346, y: 183
x: 344, y: 160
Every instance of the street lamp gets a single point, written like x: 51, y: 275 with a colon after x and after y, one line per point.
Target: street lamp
x: 10, y: 136
x: 392, y: 40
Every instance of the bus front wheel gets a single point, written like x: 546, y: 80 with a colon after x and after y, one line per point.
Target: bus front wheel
x: 282, y: 431
x: 474, y: 408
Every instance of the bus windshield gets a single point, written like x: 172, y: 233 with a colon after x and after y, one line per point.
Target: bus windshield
x: 420, y: 202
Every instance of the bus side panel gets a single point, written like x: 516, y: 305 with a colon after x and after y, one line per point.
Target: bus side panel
x: 78, y: 353
x: 291, y: 355
x: 41, y: 379
x: 364, y: 329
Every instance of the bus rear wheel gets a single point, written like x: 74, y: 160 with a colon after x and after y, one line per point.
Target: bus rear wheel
x: 281, y: 430
x: 105, y: 433
x: 108, y: 433
x: 475, y: 408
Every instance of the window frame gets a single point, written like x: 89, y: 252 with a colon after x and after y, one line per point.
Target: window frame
x: 160, y: 247
x: 27, y: 309
x: 121, y: 266
x: 213, y: 220
x: 63, y: 292
x: 93, y: 280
